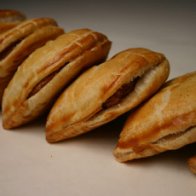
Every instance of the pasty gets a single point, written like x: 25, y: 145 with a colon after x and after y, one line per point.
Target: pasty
x: 19, y: 42
x: 105, y: 92
x: 10, y: 19
x: 166, y: 122
x: 49, y: 69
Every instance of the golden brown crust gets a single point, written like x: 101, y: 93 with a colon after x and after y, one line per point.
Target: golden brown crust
x: 23, y: 30
x: 11, y: 16
x: 11, y: 56
x: 167, y: 121
x: 90, y: 91
x: 6, y: 26
x: 68, y: 55
x: 192, y: 164
x: 10, y: 19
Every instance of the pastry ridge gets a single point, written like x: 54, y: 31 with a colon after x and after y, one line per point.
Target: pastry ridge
x: 24, y: 29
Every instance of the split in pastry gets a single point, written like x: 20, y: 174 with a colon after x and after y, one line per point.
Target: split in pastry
x: 10, y: 19
x: 47, y: 71
x: 166, y: 122
x: 192, y: 164
x: 18, y: 43
x: 105, y: 92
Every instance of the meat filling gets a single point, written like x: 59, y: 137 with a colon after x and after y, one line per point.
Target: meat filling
x: 42, y: 83
x: 122, y: 92
x: 9, y: 49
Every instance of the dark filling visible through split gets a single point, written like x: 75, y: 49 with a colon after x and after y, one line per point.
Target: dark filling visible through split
x: 121, y: 93
x: 9, y: 49
x: 173, y: 136
x: 48, y: 78
x: 43, y: 82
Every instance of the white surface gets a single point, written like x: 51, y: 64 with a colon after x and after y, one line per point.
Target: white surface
x: 85, y: 165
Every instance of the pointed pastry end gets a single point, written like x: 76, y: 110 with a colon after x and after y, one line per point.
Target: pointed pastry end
x: 192, y: 164
x: 122, y: 155
x: 7, y: 124
x: 52, y: 134
x: 56, y: 134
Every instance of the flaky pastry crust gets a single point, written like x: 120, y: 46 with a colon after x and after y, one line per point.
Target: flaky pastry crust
x: 90, y: 101
x: 7, y: 16
x: 42, y: 76
x: 18, y: 43
x: 10, y: 19
x: 192, y: 164
x: 166, y: 122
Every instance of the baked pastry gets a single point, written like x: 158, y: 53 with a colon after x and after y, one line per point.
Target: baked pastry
x: 48, y: 70
x: 105, y: 92
x: 9, y: 19
x: 17, y: 43
x: 192, y: 164
x: 7, y: 16
x: 166, y: 122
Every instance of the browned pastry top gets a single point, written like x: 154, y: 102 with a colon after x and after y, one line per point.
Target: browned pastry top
x: 11, y: 16
x: 10, y: 19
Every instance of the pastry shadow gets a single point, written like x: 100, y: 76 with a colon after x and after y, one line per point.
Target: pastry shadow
x: 35, y: 126
x: 175, y: 159
x: 104, y: 136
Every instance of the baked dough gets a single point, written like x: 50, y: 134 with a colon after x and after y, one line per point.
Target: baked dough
x: 10, y: 19
x: 17, y: 43
x: 7, y: 16
x: 42, y: 76
x: 105, y: 92
x: 192, y: 164
x: 166, y: 122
